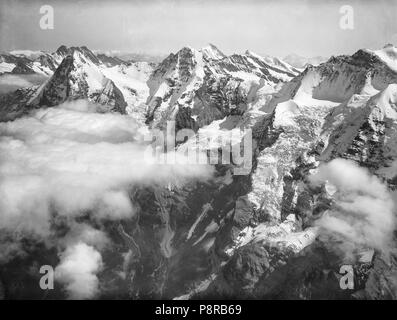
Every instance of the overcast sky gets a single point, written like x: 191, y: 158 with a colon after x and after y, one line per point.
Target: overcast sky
x: 305, y: 27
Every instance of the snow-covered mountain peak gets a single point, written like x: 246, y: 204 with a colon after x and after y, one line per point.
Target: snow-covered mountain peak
x: 62, y: 50
x: 388, y: 54
x: 185, y: 50
x: 339, y: 78
x: 252, y: 54
x: 211, y: 52
x: 302, y: 62
x: 78, y: 76
x: 82, y: 51
x: 386, y: 101
x: 197, y: 79
x: 278, y: 63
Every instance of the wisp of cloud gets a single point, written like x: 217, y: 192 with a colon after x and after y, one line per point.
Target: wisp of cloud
x: 363, y: 212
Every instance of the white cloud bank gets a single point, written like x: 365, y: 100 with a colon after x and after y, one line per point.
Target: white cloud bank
x: 363, y: 212
x: 69, y: 161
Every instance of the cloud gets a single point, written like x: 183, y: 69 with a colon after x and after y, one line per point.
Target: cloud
x: 82, y: 232
x: 363, y: 211
x: 71, y: 161
x: 81, y: 260
x: 78, y: 270
x: 62, y: 163
x: 12, y: 82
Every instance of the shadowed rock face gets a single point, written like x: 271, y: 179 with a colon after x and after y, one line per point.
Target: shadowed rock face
x: 111, y: 97
x: 58, y: 88
x: 13, y: 104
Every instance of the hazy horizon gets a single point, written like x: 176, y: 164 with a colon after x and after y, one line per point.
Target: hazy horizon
x: 307, y: 28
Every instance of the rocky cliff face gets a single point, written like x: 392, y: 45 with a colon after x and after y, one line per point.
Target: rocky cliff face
x: 196, y: 87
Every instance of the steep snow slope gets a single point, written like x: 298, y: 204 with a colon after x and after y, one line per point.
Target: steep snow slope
x: 6, y: 67
x: 211, y: 52
x: 131, y: 80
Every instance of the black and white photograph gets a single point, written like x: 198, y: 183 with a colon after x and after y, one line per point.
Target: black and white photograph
x: 173, y: 150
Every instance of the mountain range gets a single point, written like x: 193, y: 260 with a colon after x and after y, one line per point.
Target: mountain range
x: 324, y: 144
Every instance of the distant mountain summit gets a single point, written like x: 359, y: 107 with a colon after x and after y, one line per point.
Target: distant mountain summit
x: 211, y: 52
x: 301, y: 62
x: 388, y: 54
